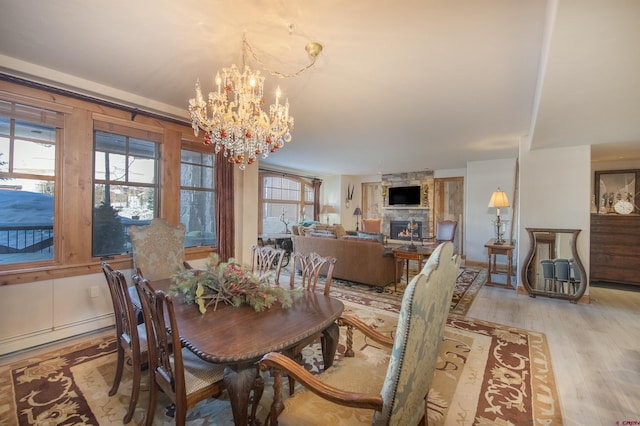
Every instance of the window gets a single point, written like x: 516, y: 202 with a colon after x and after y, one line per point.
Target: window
x: 285, y: 200
x: 197, y: 203
x: 28, y: 140
x: 125, y: 187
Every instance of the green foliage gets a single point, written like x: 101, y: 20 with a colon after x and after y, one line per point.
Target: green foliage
x: 227, y: 282
x: 108, y: 231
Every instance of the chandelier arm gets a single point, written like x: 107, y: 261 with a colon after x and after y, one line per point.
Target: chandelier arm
x: 270, y: 71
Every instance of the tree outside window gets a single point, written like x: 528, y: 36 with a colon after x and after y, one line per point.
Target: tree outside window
x: 125, y: 189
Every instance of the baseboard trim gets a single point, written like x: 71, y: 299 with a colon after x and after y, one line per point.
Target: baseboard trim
x: 32, y: 340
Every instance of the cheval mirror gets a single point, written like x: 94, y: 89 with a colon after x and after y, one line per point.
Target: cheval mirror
x: 552, y: 267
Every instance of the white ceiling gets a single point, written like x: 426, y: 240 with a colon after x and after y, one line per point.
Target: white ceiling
x: 410, y: 85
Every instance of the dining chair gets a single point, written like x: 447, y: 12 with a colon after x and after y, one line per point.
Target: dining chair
x: 131, y: 337
x: 267, y: 261
x: 158, y: 248
x: 392, y: 396
x: 312, y: 266
x: 184, y: 377
x: 575, y: 276
x: 548, y: 274
x: 446, y: 230
x: 562, y: 273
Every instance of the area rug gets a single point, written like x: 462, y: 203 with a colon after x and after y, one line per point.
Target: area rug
x: 487, y: 374
x: 470, y: 280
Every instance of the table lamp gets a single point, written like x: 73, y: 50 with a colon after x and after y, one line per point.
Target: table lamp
x: 328, y: 209
x: 357, y: 212
x: 499, y: 199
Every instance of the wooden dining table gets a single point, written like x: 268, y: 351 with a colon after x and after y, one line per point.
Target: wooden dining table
x: 238, y: 337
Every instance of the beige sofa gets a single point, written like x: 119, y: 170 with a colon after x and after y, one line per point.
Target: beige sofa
x: 364, y: 261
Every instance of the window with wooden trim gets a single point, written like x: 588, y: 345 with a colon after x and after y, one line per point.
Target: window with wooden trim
x: 29, y: 138
x: 197, y: 197
x: 126, y: 188
x: 285, y: 200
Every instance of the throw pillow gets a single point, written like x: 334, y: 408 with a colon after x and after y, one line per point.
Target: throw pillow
x: 338, y: 230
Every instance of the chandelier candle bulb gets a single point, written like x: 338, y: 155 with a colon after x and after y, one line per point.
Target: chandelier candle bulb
x: 233, y: 119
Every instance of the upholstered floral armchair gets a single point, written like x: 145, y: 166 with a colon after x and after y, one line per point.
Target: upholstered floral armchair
x: 157, y: 248
x: 342, y: 396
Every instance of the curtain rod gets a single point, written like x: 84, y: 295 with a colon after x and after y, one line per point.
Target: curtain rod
x: 283, y: 173
x: 133, y: 110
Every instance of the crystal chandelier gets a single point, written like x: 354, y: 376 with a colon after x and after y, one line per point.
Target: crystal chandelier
x: 232, y: 118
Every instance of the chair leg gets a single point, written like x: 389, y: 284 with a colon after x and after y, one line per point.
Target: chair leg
x: 151, y: 409
x: 258, y: 390
x: 181, y: 415
x: 135, y: 392
x: 119, y: 368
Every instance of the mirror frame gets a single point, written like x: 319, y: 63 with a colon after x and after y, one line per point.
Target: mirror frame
x: 531, y: 255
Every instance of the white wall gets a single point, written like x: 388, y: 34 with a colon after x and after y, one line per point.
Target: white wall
x: 35, y: 313
x: 245, y: 197
x: 483, y: 178
x: 555, y: 188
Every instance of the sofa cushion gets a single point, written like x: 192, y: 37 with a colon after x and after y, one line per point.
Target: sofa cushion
x: 321, y: 234
x: 356, y: 238
x: 377, y: 237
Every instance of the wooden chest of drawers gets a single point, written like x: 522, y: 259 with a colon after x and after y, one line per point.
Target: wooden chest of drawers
x: 615, y: 248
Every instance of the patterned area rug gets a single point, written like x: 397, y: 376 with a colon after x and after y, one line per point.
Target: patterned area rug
x: 487, y: 374
x: 468, y: 283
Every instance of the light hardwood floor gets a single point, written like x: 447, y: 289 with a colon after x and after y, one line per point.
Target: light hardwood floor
x: 595, y: 348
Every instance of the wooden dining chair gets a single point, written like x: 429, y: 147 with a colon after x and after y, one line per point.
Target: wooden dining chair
x: 184, y: 377
x: 312, y: 266
x: 267, y: 261
x: 132, y: 338
x: 392, y: 396
x: 158, y: 248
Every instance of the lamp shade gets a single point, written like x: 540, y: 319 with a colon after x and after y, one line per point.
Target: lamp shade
x: 357, y: 211
x: 499, y: 199
x: 328, y: 209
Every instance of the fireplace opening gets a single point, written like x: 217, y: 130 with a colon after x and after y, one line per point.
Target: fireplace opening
x: 400, y: 230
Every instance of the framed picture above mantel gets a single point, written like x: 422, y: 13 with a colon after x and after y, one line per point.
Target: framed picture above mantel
x: 617, y: 191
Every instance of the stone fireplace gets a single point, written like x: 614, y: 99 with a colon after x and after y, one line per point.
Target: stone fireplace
x: 400, y: 230
x: 396, y: 218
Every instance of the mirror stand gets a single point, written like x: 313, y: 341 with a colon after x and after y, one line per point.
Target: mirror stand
x: 552, y: 267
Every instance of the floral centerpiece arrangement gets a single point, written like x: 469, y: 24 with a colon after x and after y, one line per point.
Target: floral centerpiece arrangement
x: 227, y: 282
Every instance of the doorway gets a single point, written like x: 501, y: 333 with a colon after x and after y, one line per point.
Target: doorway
x: 448, y: 200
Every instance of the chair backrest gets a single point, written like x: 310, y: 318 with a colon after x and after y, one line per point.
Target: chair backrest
x: 577, y: 276
x: 547, y: 269
x: 126, y: 318
x: 267, y: 261
x: 157, y: 248
x: 421, y: 322
x: 561, y: 267
x: 165, y: 364
x: 446, y: 230
x: 311, y: 265
x: 371, y: 225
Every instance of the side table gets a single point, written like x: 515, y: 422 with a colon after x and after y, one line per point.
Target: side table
x: 493, y: 250
x: 404, y: 254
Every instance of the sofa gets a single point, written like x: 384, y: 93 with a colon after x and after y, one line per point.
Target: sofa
x: 361, y: 260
